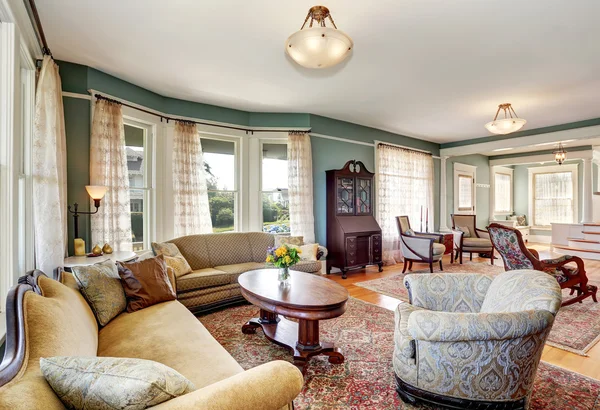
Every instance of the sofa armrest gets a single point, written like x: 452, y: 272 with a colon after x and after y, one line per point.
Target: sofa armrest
x: 322, y: 253
x: 462, y: 327
x: 270, y: 386
x: 448, y: 292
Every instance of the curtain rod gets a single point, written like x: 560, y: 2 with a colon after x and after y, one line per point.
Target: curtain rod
x: 403, y: 147
x: 39, y: 30
x: 167, y: 118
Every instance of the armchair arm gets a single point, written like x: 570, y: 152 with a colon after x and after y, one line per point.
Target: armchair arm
x: 482, y: 233
x: 270, y: 386
x: 404, y: 342
x: 436, y: 237
x: 461, y: 327
x: 415, y: 247
x: 322, y: 253
x: 566, y: 275
x: 448, y: 292
x: 457, y: 235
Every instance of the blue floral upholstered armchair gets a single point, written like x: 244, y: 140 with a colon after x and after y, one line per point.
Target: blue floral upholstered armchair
x: 509, y: 243
x: 473, y: 341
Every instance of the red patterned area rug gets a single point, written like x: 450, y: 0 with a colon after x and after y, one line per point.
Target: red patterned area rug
x: 576, y: 329
x: 366, y: 379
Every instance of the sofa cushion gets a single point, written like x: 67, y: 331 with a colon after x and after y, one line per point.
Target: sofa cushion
x: 146, y: 283
x: 228, y: 248
x: 169, y: 334
x: 194, y: 249
x: 100, y: 284
x: 239, y: 268
x: 259, y: 243
x: 438, y: 249
x: 112, y: 383
x: 173, y: 257
x: 202, y: 278
x: 307, y: 266
x: 288, y: 240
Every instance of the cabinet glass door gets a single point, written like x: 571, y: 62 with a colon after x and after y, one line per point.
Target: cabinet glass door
x: 345, y: 195
x: 363, y: 196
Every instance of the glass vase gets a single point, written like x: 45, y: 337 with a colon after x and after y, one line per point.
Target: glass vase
x: 284, y: 276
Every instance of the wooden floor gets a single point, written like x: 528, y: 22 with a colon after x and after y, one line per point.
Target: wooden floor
x: 589, y: 366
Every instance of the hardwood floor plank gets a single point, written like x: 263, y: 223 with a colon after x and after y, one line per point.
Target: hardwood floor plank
x: 588, y: 366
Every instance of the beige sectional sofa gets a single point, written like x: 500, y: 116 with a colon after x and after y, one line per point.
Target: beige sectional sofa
x: 55, y: 320
x: 217, y: 260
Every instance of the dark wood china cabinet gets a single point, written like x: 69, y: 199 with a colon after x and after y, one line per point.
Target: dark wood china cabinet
x: 353, y: 234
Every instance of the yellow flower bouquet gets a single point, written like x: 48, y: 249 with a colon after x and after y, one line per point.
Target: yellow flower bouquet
x: 282, y: 258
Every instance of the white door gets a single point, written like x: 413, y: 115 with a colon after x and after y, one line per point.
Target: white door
x: 464, y: 189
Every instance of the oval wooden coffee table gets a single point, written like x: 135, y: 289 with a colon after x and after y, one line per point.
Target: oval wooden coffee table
x: 309, y: 298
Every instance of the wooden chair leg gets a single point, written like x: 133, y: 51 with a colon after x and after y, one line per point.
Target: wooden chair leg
x: 492, y: 257
x: 441, y: 267
x: 460, y: 255
x: 405, y: 265
x: 410, y: 265
x: 470, y: 256
x: 430, y: 267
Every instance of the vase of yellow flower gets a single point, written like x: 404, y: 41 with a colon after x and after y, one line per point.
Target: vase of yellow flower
x: 282, y: 258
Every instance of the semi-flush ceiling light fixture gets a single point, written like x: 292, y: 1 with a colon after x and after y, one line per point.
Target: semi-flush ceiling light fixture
x: 560, y: 155
x: 510, y: 123
x: 320, y: 46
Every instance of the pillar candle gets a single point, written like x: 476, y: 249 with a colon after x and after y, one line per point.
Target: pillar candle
x: 79, y: 245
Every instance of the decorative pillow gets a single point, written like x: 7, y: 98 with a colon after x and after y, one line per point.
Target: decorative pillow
x: 146, y: 283
x: 409, y: 232
x: 100, y: 285
x: 307, y: 252
x: 465, y: 230
x: 521, y: 220
x: 112, y: 383
x: 173, y: 257
x: 288, y: 240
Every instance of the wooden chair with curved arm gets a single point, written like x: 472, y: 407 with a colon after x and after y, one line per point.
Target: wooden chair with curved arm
x: 419, y: 247
x: 509, y: 243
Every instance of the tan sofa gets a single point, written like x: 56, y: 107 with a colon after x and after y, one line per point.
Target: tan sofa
x: 217, y: 260
x: 55, y: 320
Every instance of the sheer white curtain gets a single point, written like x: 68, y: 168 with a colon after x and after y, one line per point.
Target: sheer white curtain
x: 49, y: 171
x: 554, y: 200
x: 300, y: 186
x: 405, y: 187
x: 502, y: 192
x: 190, y: 194
x: 108, y: 167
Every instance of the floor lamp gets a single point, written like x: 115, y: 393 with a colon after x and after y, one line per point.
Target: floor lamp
x: 96, y: 192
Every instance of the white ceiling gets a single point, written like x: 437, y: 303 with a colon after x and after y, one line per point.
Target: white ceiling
x: 431, y: 69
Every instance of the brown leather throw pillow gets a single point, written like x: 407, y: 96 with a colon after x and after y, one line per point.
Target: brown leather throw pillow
x: 146, y: 283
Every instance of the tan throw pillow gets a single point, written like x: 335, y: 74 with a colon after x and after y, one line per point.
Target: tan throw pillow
x: 465, y: 230
x: 288, y: 240
x: 112, y: 383
x: 100, y: 285
x: 173, y: 257
x: 146, y: 283
x: 307, y: 252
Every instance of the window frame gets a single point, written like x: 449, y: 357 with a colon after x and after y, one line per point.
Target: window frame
x: 149, y: 188
x: 510, y: 173
x: 237, y: 191
x: 261, y: 191
x: 553, y: 169
x: 469, y: 171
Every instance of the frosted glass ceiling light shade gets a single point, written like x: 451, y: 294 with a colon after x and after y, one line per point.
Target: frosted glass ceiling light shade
x: 321, y: 46
x: 510, y: 123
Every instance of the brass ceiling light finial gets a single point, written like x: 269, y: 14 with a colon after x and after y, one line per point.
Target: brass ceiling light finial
x: 318, y: 46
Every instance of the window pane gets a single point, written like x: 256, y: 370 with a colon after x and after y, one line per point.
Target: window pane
x: 502, y: 192
x: 465, y: 192
x: 219, y: 164
x: 136, y: 201
x: 274, y: 167
x: 134, y: 141
x: 276, y: 212
x: 553, y: 198
x: 222, y: 211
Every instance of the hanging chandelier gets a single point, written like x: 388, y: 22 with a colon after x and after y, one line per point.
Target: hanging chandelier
x: 560, y: 155
x: 510, y: 123
x: 319, y: 46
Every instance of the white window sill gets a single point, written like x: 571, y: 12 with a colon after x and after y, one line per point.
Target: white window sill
x: 541, y: 228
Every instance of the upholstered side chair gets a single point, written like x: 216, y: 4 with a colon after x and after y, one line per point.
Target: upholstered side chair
x: 470, y: 239
x: 418, y: 246
x: 470, y: 341
x: 568, y: 270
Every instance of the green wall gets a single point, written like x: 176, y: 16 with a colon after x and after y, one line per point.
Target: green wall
x: 482, y: 195
x: 327, y: 153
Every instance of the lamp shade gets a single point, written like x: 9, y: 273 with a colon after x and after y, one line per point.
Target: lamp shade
x: 319, y: 47
x: 96, y: 192
x: 505, y: 125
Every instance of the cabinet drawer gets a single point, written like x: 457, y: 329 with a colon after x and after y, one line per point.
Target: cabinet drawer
x: 376, y: 258
x: 350, y: 243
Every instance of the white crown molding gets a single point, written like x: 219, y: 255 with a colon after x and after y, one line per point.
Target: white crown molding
x: 529, y: 159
